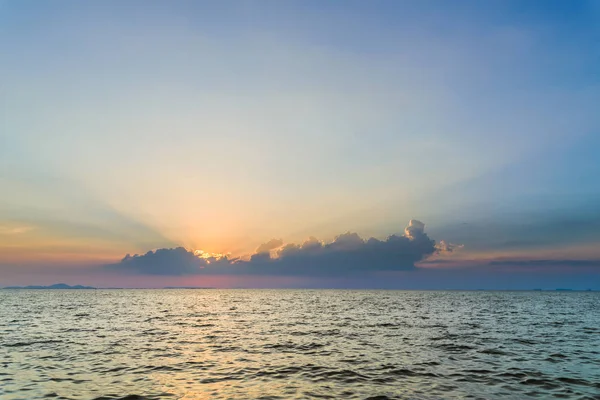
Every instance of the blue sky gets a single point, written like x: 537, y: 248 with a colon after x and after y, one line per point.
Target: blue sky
x: 132, y: 126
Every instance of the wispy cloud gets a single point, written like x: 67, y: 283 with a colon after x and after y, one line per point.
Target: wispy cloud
x: 546, y: 262
x: 15, y: 229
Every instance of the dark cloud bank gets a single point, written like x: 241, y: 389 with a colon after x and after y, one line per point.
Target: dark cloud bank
x: 347, y: 254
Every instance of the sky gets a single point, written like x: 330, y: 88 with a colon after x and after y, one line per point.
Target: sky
x: 289, y: 144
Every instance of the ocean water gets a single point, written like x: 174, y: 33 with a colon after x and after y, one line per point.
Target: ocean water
x: 287, y: 344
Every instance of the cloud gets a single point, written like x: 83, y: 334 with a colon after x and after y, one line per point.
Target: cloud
x: 176, y: 261
x: 347, y: 254
x: 547, y: 263
x: 445, y: 247
x: 530, y: 229
x: 268, y: 246
x: 512, y: 264
x: 414, y: 229
x: 15, y: 230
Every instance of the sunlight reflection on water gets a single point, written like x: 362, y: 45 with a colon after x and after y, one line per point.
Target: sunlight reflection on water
x: 240, y: 344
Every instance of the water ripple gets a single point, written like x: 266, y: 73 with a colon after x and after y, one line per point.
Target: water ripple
x: 295, y: 344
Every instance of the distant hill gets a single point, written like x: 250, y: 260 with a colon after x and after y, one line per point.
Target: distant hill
x: 55, y: 286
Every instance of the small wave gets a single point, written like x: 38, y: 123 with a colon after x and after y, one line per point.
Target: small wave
x: 455, y: 347
x: 203, y: 325
x: 496, y: 352
x: 386, y: 325
x: 575, y: 381
x: 479, y: 371
x: 526, y: 341
x: 23, y: 344
x: 295, y: 347
x: 345, y: 376
x: 408, y: 372
x: 558, y: 355
x: 545, y: 383
x: 448, y: 336
x: 128, y: 397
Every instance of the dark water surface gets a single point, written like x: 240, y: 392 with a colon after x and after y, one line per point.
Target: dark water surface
x: 283, y: 344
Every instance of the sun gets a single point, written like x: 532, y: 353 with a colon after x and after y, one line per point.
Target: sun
x: 208, y: 255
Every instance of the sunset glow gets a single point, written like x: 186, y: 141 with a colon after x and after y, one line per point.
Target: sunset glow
x: 238, y: 131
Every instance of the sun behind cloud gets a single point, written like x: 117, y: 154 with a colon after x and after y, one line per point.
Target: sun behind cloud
x: 208, y: 256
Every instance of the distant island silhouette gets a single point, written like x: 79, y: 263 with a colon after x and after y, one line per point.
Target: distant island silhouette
x: 55, y: 286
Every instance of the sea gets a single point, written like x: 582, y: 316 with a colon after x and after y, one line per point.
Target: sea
x: 298, y: 344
